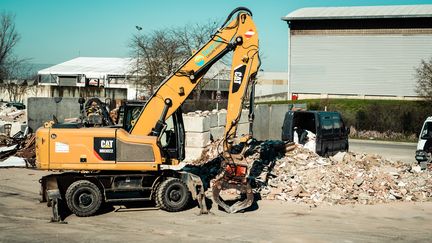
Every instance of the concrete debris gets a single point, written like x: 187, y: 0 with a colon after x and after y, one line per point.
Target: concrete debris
x: 13, y: 162
x: 11, y: 114
x: 22, y: 147
x: 302, y: 176
x: 346, y: 178
x: 11, y: 120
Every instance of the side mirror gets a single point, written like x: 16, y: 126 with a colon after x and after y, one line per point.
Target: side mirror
x: 347, y: 130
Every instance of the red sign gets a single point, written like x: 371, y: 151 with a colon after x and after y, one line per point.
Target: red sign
x: 249, y: 33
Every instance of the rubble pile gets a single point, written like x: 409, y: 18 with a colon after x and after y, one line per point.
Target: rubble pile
x: 12, y: 117
x: 302, y: 176
x: 346, y: 178
x: 11, y: 114
x: 20, y: 148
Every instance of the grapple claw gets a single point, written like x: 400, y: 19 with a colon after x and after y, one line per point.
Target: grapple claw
x: 243, y: 187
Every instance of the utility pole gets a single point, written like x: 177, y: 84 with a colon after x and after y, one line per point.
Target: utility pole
x: 137, y: 61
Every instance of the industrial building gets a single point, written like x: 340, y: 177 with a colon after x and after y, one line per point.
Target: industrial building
x: 357, y: 52
x: 111, y: 75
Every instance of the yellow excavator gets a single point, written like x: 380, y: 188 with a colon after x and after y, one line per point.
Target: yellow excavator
x: 142, y: 162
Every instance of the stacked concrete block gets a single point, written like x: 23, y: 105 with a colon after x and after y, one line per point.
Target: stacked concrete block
x: 203, y: 127
x: 216, y: 130
x: 197, y: 127
x: 196, y: 123
x: 222, y: 116
x: 243, y: 126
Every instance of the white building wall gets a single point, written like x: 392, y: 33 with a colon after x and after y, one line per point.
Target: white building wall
x: 357, y: 64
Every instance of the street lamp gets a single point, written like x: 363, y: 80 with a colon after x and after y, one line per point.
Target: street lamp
x: 138, y: 28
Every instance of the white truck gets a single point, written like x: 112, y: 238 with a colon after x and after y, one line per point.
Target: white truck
x: 424, y: 145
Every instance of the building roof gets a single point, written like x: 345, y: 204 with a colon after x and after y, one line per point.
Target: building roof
x: 91, y: 67
x: 370, y: 12
x: 99, y: 67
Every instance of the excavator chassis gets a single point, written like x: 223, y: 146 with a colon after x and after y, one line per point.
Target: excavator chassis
x: 115, y: 186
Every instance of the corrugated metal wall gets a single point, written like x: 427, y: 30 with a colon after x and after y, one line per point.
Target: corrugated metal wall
x: 357, y: 64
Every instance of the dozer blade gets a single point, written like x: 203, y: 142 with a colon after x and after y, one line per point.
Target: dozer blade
x: 224, y: 184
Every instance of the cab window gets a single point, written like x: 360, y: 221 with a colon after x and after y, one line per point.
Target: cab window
x: 427, y: 131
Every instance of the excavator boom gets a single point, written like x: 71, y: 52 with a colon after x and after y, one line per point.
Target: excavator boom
x: 237, y: 34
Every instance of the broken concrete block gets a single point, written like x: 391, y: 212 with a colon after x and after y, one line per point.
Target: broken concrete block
x: 222, y: 116
x: 358, y: 181
x: 217, y: 132
x: 196, y: 123
x: 197, y: 139
x: 339, y: 157
x: 416, y: 169
x: 192, y: 154
x: 13, y: 162
x: 213, y: 120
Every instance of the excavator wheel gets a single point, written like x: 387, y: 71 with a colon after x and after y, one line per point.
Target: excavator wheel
x: 173, y: 195
x: 155, y: 196
x: 83, y: 198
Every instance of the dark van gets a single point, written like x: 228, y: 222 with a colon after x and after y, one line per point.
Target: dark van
x: 329, y: 128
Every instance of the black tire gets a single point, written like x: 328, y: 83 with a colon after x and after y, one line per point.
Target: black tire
x: 155, y: 196
x: 173, y: 195
x: 83, y: 198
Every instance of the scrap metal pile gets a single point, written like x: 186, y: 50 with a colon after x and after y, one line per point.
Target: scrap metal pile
x: 302, y: 176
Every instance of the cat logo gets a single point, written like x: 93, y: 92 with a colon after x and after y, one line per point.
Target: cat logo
x: 105, y: 148
x: 238, y: 76
x: 106, y: 144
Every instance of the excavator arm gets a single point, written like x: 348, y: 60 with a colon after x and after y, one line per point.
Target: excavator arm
x: 238, y: 35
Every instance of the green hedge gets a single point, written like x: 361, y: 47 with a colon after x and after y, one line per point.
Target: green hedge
x: 399, y: 116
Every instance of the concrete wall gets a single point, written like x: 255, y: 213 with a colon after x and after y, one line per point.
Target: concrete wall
x: 42, y: 109
x: 268, y: 121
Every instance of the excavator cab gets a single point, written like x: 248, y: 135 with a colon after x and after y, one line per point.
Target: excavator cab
x: 172, y: 138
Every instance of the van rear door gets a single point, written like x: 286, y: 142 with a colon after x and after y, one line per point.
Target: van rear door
x: 327, y: 135
x: 287, y: 127
x: 339, y: 141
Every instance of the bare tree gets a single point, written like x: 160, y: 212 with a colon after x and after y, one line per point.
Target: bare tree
x: 157, y: 55
x: 193, y: 37
x: 424, y: 79
x: 17, y: 77
x: 8, y: 39
x: 161, y: 52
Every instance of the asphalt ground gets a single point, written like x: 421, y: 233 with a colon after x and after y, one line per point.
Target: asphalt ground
x: 391, y: 150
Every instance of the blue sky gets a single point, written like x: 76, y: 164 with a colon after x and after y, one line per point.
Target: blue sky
x: 54, y: 31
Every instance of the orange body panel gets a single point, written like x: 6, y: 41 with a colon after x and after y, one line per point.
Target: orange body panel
x: 73, y: 149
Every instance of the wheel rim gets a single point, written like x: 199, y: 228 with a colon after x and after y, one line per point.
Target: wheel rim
x: 84, y: 199
x: 175, y: 195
